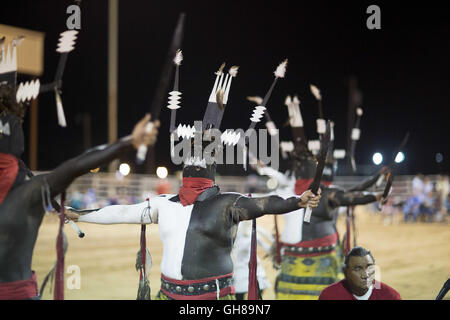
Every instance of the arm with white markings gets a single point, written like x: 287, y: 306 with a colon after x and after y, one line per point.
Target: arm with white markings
x: 140, y: 213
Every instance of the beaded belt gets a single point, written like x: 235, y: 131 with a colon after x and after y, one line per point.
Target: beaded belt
x: 309, y: 250
x: 202, y: 289
x: 312, y: 247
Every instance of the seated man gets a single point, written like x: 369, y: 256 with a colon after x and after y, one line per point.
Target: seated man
x: 359, y: 282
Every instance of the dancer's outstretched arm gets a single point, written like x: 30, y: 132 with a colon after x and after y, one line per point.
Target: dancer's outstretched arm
x: 246, y: 208
x: 59, y: 179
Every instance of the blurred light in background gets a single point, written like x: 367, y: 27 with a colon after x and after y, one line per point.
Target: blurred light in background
x: 162, y: 172
x: 124, y: 169
x: 377, y: 158
x: 399, y: 157
x: 272, y: 183
x: 439, y: 157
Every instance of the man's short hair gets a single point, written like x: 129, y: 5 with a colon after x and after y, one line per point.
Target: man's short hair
x: 357, y: 252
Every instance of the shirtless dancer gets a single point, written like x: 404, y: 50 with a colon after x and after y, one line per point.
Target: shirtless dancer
x: 21, y: 209
x: 198, y: 225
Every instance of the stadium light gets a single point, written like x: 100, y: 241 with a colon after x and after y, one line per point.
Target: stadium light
x: 399, y: 157
x: 272, y: 183
x: 162, y: 172
x: 377, y: 158
x: 439, y: 157
x: 124, y: 169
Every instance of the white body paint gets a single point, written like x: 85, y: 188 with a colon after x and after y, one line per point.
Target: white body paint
x: 293, y: 221
x: 172, y: 218
x: 241, y: 257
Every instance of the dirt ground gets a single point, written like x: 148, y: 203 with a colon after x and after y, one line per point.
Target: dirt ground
x: 412, y: 258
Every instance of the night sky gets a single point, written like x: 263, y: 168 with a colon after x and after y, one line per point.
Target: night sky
x: 403, y: 70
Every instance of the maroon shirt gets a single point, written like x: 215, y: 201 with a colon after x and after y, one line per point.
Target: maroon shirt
x: 341, y: 291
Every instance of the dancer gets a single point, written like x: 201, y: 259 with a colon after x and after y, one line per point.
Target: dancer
x: 198, y: 225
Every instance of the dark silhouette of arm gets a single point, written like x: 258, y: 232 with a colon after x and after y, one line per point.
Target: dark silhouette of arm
x: 60, y: 178
x: 246, y: 208
x: 340, y: 198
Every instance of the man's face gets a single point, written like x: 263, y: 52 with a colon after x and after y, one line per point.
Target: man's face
x: 360, y: 273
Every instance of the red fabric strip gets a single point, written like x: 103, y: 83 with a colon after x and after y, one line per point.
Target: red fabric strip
x: 277, y: 241
x: 59, y: 273
x: 252, y: 279
x: 19, y: 290
x: 9, y: 167
x: 347, y: 236
x: 192, y: 188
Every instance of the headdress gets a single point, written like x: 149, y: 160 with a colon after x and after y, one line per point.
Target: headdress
x: 29, y: 90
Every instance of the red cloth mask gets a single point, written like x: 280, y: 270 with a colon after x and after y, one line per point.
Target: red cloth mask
x: 9, y: 167
x: 192, y: 188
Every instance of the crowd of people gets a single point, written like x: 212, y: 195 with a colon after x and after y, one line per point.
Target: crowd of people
x: 428, y: 201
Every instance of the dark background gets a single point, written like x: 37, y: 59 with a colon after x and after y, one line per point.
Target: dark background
x: 402, y: 70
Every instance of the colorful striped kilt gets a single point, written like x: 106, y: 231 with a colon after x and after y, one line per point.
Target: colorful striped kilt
x: 308, y: 267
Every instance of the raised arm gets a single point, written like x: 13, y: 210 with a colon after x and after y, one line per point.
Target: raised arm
x: 369, y: 182
x: 340, y: 198
x: 60, y: 178
x: 246, y: 208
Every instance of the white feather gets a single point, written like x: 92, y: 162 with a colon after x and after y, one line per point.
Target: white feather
x: 9, y: 60
x: 359, y: 111
x: 220, y: 71
x: 67, y: 41
x: 174, y: 100
x: 178, y: 57
x: 230, y: 138
x: 258, y: 113
x: 233, y: 71
x: 195, y: 161
x: 255, y: 99
x: 288, y: 100
x: 281, y: 69
x: 60, y: 110
x: 185, y: 131
x: 28, y: 91
x: 315, y: 91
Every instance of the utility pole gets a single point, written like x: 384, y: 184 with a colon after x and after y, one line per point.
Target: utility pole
x: 113, y: 58
x: 34, y: 111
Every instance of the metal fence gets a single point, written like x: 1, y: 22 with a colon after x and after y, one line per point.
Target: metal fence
x: 137, y: 187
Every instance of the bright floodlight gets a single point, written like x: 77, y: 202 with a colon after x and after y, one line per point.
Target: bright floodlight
x: 399, y: 157
x: 124, y: 169
x: 162, y: 172
x: 272, y: 183
x: 377, y: 158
